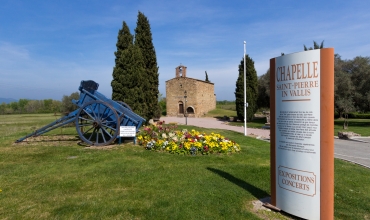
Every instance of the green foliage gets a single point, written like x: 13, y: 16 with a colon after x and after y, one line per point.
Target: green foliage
x: 227, y: 105
x: 135, y: 75
x: 315, y: 46
x: 124, y: 41
x: 131, y: 81
x: 207, y: 80
x: 162, y: 104
x: 22, y: 104
x: 67, y: 104
x: 252, y: 89
x: 352, y: 84
x: 356, y: 115
x: 359, y: 70
x: 143, y: 40
x: 263, y: 98
x: 31, y: 106
x: 343, y: 88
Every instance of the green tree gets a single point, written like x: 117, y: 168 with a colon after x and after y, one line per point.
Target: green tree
x: 124, y: 41
x: 3, y: 107
x: 132, y: 77
x: 315, y: 46
x: 67, y: 104
x: 207, y: 80
x: 343, y: 88
x: 162, y: 104
x: 143, y: 39
x: 14, y: 106
x: 359, y: 71
x: 252, y: 89
x: 34, y: 106
x: 263, y: 98
x: 47, y: 105
x: 22, y: 105
x: 56, y: 106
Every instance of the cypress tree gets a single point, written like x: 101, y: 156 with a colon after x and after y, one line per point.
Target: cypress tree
x: 124, y: 40
x: 207, y: 80
x: 132, y: 74
x: 252, y: 89
x: 143, y: 39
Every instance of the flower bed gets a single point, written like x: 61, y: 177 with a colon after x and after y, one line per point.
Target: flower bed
x: 160, y: 137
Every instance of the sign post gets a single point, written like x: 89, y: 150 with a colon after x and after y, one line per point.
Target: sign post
x: 301, y: 133
x: 127, y: 131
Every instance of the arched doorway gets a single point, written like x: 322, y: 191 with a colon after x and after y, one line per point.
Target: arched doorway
x: 190, y: 110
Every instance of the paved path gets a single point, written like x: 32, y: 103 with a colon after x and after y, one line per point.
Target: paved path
x: 354, y: 151
x: 215, y: 123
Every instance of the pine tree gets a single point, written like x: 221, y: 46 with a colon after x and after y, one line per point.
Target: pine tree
x: 143, y: 39
x: 124, y: 40
x: 252, y: 90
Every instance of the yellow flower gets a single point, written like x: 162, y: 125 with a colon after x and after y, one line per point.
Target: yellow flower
x: 187, y: 145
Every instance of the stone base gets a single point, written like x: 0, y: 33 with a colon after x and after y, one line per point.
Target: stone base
x: 347, y: 135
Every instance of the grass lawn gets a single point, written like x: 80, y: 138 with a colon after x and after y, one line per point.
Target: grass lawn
x: 219, y: 112
x: 359, y: 126
x: 53, y: 177
x: 258, y: 122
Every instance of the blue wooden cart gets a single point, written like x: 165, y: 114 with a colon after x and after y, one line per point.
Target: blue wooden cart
x: 98, y: 118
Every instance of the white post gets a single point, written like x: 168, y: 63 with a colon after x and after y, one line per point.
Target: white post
x: 245, y: 95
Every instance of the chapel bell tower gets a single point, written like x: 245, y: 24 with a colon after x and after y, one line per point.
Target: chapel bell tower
x: 181, y: 71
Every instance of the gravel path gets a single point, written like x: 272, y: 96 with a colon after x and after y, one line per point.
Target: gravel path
x: 215, y: 123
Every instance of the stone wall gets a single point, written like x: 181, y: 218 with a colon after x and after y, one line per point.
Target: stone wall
x: 200, y: 96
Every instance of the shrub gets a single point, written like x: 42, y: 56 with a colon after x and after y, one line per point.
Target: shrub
x: 160, y: 137
x: 355, y: 115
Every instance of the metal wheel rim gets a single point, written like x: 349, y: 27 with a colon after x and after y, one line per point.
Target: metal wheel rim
x: 96, y: 123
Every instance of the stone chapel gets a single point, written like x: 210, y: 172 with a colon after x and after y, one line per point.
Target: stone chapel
x: 187, y: 96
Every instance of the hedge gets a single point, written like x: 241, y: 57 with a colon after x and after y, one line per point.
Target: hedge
x: 355, y: 115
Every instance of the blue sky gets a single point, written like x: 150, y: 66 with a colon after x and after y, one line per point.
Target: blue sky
x: 48, y: 46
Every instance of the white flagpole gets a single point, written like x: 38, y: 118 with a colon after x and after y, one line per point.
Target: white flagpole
x: 245, y: 95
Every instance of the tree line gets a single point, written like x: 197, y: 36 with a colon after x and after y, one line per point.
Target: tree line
x: 28, y: 106
x: 351, y: 86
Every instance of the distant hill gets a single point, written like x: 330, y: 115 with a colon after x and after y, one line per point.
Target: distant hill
x: 7, y: 100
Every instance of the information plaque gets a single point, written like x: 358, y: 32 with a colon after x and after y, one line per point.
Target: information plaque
x: 302, y: 126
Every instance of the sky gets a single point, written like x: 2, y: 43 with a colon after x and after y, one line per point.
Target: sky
x: 48, y: 46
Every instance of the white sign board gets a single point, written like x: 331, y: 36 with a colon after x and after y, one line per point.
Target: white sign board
x: 127, y: 131
x: 302, y: 85
x: 298, y: 133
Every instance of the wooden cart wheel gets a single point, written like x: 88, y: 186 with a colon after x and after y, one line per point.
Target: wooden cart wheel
x: 96, y: 123
x: 124, y: 105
